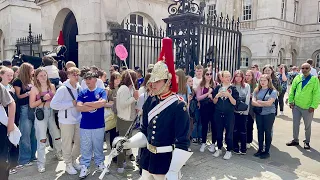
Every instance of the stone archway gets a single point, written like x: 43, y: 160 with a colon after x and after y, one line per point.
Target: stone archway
x: 294, y: 55
x: 66, y: 22
x: 70, y: 32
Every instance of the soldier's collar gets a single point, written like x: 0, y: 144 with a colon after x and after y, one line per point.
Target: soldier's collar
x: 166, y: 95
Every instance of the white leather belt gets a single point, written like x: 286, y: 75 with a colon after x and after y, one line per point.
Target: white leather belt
x: 156, y: 150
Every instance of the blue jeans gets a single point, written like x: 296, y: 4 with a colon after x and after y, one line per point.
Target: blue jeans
x: 91, y: 142
x: 197, y: 127
x: 28, y: 142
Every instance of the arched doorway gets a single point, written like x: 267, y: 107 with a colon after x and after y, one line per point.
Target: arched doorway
x: 70, y: 31
x: 294, y: 57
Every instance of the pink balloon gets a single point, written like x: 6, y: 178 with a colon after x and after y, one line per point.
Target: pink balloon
x: 121, y: 52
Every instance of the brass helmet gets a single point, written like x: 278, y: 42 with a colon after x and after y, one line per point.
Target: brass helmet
x: 164, y: 68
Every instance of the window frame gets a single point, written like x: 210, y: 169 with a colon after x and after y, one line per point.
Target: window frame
x: 295, y: 11
x: 246, y: 10
x: 141, y: 24
x: 283, y: 9
x: 244, y: 59
x: 318, y: 12
x: 212, y: 11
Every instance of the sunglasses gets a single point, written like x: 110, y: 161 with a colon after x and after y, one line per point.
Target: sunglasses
x: 305, y: 68
x: 208, y: 74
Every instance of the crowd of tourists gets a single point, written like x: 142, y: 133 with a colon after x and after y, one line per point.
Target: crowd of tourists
x: 70, y: 111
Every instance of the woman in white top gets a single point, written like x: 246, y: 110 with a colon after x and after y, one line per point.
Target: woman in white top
x: 127, y: 97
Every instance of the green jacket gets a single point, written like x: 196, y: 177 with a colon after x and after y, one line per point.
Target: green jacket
x: 307, y: 97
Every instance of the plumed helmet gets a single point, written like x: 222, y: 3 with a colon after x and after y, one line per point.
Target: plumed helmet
x: 164, y: 68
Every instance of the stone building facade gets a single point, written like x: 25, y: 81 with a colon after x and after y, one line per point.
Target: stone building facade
x: 15, y: 17
x: 274, y: 31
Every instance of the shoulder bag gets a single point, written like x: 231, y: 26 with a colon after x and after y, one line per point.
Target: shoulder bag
x: 71, y: 94
x: 39, y: 113
x: 258, y: 110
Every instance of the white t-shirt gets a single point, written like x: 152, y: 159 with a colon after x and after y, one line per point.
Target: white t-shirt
x: 196, y: 82
x: 99, y: 84
x: 52, y: 71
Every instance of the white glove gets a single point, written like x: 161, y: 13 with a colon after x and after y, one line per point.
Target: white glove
x: 120, y: 143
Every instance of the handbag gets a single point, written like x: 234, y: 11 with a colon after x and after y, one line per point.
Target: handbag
x: 241, y: 105
x: 39, y: 113
x: 109, y: 119
x: 258, y: 110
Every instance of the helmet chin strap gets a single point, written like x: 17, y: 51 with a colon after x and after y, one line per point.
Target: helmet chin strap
x: 167, y: 84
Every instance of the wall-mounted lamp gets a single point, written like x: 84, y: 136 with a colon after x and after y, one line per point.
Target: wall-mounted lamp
x: 272, y: 47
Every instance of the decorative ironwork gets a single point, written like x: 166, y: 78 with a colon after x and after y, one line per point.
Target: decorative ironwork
x: 143, y: 44
x: 29, y: 45
x: 184, y: 6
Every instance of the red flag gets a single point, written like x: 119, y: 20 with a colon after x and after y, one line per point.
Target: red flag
x: 60, y: 39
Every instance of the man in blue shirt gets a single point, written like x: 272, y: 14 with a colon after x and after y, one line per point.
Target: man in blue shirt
x: 91, y: 103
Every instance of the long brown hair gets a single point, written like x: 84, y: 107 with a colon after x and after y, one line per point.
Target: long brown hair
x: 125, y: 78
x: 270, y: 85
x: 146, y: 79
x: 25, y: 75
x: 273, y: 75
x: 203, y: 81
x: 182, y: 85
x: 242, y: 76
x: 113, y: 77
x: 37, y: 83
x: 253, y: 83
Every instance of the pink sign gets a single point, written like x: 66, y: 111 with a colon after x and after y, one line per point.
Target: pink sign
x: 121, y: 52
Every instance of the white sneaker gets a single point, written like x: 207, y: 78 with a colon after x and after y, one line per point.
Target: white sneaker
x: 76, y: 166
x: 41, y: 169
x: 248, y: 145
x: 101, y: 167
x: 228, y: 155
x: 29, y: 164
x: 212, y: 148
x: 217, y: 153
x: 84, y: 172
x: 120, y: 170
x: 50, y: 149
x: 281, y: 113
x: 203, y: 147
x: 70, y: 169
x: 59, y: 156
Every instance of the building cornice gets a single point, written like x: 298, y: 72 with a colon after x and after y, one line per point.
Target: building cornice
x: 18, y: 3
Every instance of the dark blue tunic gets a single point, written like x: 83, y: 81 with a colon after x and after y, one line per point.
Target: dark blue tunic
x: 169, y: 127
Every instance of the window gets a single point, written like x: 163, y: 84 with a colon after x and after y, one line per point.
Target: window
x: 318, y: 60
x: 247, y: 13
x: 319, y: 12
x: 244, y: 62
x: 295, y: 11
x: 212, y: 10
x: 138, y: 23
x: 283, y: 9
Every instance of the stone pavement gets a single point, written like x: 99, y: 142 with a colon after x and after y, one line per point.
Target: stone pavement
x: 286, y: 163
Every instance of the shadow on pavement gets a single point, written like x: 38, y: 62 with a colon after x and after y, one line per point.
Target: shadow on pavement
x: 312, y: 153
x: 317, y: 120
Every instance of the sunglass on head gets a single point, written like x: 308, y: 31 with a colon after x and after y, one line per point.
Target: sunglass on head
x: 208, y: 74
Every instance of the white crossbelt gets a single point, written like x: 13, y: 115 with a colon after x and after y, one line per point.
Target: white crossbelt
x: 162, y: 149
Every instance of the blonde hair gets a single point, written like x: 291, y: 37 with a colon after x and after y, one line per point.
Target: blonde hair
x: 70, y: 64
x: 3, y: 70
x: 73, y: 70
x: 37, y: 84
x: 25, y: 75
x: 182, y: 85
x: 270, y: 85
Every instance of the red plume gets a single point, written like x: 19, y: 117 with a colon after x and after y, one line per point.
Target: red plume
x: 60, y: 39
x: 167, y: 53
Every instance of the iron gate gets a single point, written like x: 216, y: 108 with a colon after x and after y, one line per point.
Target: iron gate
x: 29, y: 45
x: 198, y: 39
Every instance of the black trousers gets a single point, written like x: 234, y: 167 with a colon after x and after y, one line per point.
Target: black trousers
x: 280, y: 98
x: 13, y: 156
x: 240, y: 132
x: 224, y: 121
x: 250, y: 122
x: 264, y: 126
x: 113, y: 134
x: 207, y: 116
x: 4, y: 153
